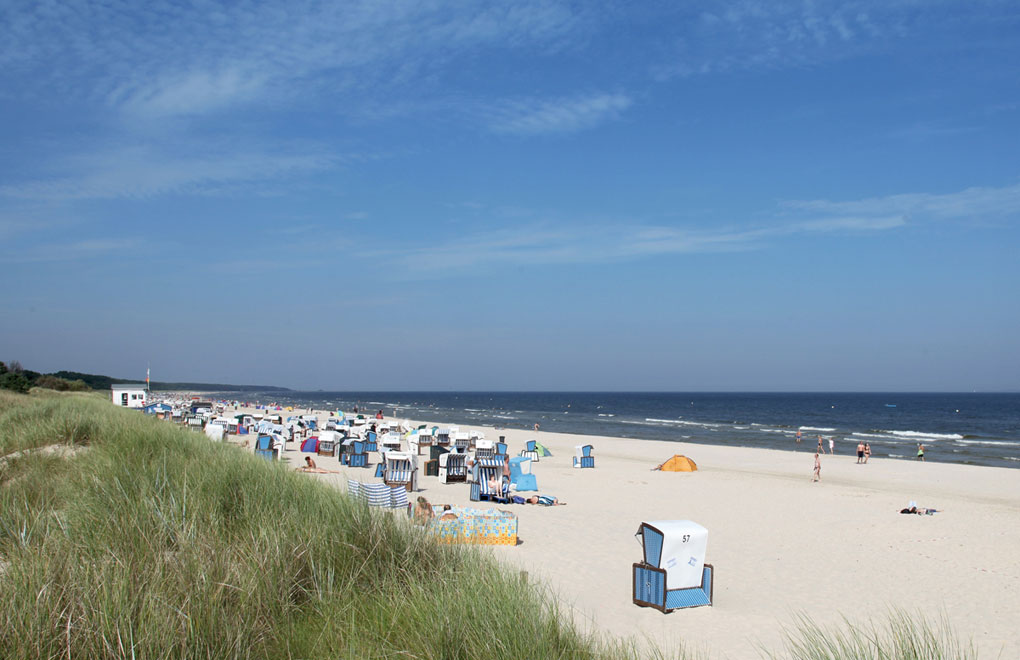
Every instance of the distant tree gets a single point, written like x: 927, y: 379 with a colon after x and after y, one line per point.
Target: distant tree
x: 3, y: 368
x: 53, y: 383
x: 14, y: 366
x: 15, y: 381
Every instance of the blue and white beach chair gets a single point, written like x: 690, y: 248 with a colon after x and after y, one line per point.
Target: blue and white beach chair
x: 486, y: 470
x: 673, y: 574
x: 530, y: 451
x: 401, y: 470
x: 358, y: 456
x: 452, y: 468
x: 485, y: 449
x: 584, y: 459
x: 265, y: 447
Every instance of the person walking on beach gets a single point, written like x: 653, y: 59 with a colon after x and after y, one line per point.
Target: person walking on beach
x: 920, y: 451
x: 832, y: 446
x: 821, y: 449
x: 536, y: 427
x: 860, y: 451
x: 818, y: 468
x: 867, y: 451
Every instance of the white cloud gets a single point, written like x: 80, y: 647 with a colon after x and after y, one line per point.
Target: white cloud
x: 567, y: 115
x: 758, y: 34
x: 601, y: 241
x: 971, y: 203
x: 82, y: 249
x: 163, y: 58
x: 141, y: 172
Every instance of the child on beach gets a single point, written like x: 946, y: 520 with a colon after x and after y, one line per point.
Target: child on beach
x: 920, y: 452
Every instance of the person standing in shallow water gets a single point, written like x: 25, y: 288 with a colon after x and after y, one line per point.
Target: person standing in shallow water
x: 821, y: 450
x: 920, y: 451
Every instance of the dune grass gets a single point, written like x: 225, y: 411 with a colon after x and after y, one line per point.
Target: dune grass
x: 156, y: 543
x: 900, y: 636
x: 152, y: 542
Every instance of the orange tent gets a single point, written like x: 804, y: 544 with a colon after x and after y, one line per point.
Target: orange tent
x: 678, y: 464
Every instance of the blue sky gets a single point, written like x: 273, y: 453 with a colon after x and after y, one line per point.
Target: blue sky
x: 529, y: 195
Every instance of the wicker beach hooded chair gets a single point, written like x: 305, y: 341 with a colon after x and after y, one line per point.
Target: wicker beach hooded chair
x: 401, y: 470
x: 488, y: 481
x: 673, y: 573
x: 265, y: 447
x: 358, y: 456
x: 583, y: 458
x: 452, y: 468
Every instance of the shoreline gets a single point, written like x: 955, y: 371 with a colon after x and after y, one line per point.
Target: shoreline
x: 978, y: 431
x: 782, y: 545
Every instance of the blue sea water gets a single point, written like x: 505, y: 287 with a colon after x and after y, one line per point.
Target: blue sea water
x: 977, y: 429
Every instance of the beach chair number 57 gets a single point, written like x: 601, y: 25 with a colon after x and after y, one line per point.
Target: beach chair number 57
x: 686, y: 538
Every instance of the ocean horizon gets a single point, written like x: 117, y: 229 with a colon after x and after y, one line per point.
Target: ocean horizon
x: 955, y: 427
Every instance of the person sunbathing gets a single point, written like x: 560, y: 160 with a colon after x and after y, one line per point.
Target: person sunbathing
x: 448, y: 513
x: 919, y: 510
x: 310, y: 466
x: 422, y: 511
x: 545, y: 500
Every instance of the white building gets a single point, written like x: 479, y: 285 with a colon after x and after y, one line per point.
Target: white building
x: 129, y: 395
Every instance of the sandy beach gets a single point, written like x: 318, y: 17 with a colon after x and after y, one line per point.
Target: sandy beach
x: 782, y: 546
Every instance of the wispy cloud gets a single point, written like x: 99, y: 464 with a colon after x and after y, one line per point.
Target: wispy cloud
x: 971, y: 203
x: 142, y: 172
x: 602, y: 241
x: 567, y: 115
x: 89, y: 248
x: 164, y: 58
x: 760, y: 34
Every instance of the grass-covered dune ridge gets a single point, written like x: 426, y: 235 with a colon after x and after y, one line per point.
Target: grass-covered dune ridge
x: 154, y: 542
x: 144, y: 540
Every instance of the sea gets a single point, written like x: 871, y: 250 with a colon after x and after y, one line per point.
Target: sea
x: 970, y: 428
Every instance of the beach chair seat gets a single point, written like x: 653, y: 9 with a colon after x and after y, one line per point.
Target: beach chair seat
x: 452, y: 468
x: 390, y: 442
x: 485, y: 449
x: 484, y: 471
x: 461, y: 441
x: 673, y: 573
x: 530, y: 451
x: 266, y: 448
x: 401, y: 470
x: 583, y: 457
x: 358, y: 456
x: 371, y: 443
x: 423, y: 438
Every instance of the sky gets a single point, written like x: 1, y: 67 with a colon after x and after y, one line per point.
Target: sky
x: 536, y: 195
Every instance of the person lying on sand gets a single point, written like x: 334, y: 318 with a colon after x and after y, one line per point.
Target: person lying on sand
x: 310, y: 466
x: 919, y: 510
x: 545, y: 500
x: 448, y: 514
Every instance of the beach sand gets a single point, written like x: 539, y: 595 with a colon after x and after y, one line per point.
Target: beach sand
x: 781, y: 545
